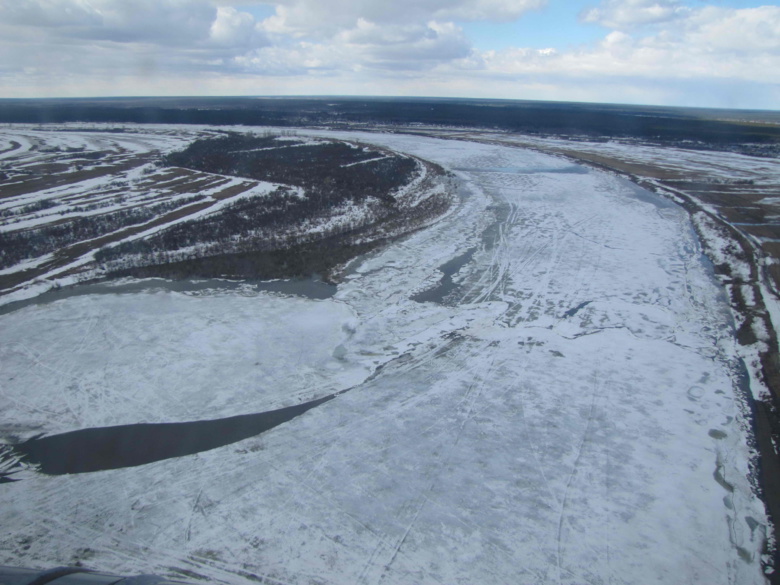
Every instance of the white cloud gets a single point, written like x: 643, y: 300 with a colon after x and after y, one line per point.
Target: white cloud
x: 492, y: 10
x: 322, y: 19
x: 746, y: 30
x: 367, y: 47
x: 48, y: 13
x: 399, y: 46
x: 706, y: 44
x: 626, y: 14
x: 166, y: 22
x: 373, y: 35
x: 232, y: 28
x: 694, y: 54
x: 57, y: 44
x: 378, y: 46
x: 183, y: 23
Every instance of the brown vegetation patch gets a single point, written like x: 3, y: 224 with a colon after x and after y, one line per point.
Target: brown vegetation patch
x: 160, y: 177
x: 177, y: 185
x: 41, y: 183
x: 232, y: 191
x: 771, y: 248
x: 47, y: 168
x: 194, y: 184
x: 720, y: 198
x: 744, y: 214
x: 763, y: 231
x: 632, y: 168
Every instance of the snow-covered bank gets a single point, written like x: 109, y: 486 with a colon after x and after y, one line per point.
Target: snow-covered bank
x: 572, y: 417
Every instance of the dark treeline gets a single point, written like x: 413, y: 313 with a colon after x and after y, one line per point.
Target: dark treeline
x: 31, y: 208
x: 593, y: 120
x: 274, y: 212
x: 322, y: 176
x: 16, y: 246
x: 321, y: 169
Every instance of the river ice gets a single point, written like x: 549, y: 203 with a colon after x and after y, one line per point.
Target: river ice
x: 571, y: 413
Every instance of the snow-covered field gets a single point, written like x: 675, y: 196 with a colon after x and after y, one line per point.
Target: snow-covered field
x: 571, y: 414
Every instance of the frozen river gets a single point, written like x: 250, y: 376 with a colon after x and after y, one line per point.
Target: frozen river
x: 560, y: 403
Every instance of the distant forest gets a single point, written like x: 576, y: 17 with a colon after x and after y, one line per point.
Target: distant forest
x: 707, y: 128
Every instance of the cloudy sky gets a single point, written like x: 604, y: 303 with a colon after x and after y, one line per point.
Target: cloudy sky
x: 721, y: 53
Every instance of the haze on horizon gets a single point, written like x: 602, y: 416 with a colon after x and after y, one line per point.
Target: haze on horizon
x: 662, y: 52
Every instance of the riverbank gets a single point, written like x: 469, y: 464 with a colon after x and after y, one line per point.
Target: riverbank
x: 749, y: 293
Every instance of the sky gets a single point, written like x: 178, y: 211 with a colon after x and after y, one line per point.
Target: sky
x: 703, y: 53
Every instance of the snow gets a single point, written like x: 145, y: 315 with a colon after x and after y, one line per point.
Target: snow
x: 196, y: 361
x: 572, y: 414
x: 255, y: 189
x: 28, y: 264
x: 707, y: 166
x: 362, y: 162
x: 722, y: 249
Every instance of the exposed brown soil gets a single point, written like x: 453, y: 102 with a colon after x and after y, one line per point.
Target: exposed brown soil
x: 718, y: 197
x: 11, y: 188
x: 232, y: 191
x: 744, y: 214
x: 764, y: 231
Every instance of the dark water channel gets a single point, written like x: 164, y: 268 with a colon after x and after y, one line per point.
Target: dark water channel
x: 312, y: 288
x: 99, y: 449
x: 448, y: 292
x: 446, y: 286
